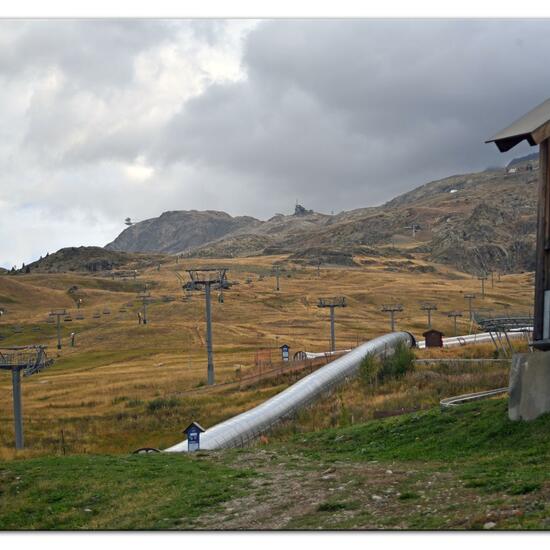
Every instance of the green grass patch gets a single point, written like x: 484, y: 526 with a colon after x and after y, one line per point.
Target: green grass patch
x: 477, y: 441
x: 478, y: 429
x: 107, y: 492
x: 408, y: 495
x: 336, y: 506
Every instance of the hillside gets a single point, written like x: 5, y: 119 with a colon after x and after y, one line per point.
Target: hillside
x: 178, y: 231
x: 469, y: 468
x: 119, y: 369
x: 125, y: 385
x: 87, y: 259
x: 476, y: 222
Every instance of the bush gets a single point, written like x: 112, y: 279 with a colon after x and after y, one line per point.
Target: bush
x: 399, y: 363
x: 160, y: 403
x: 118, y: 399
x: 373, y: 369
x: 369, y: 369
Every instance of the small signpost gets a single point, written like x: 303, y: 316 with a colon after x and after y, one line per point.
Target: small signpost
x: 284, y: 352
x: 193, y: 433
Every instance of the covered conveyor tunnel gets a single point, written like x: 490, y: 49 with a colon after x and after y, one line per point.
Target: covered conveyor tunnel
x: 245, y: 427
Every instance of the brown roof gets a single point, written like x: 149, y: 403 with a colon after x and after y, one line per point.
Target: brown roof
x: 533, y: 126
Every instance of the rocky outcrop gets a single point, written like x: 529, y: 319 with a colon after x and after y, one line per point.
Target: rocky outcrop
x: 323, y: 256
x: 82, y: 258
x: 179, y: 231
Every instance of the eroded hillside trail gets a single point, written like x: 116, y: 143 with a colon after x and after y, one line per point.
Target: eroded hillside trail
x: 291, y: 491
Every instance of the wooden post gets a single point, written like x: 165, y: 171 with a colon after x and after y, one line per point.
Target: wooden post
x: 541, y: 328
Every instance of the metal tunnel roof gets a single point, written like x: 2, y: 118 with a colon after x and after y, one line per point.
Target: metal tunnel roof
x: 533, y: 126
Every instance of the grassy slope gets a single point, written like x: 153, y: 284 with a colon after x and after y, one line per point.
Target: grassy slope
x: 494, y: 469
x: 512, y: 456
x: 98, y: 392
x: 106, y: 492
x: 503, y: 463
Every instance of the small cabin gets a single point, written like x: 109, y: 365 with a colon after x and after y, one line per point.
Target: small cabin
x: 434, y: 338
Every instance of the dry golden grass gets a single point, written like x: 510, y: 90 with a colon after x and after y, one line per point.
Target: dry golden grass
x: 100, y: 392
x: 356, y: 402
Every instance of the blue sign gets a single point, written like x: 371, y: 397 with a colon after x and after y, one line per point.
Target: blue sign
x: 193, y: 432
x: 193, y: 439
x: 284, y: 352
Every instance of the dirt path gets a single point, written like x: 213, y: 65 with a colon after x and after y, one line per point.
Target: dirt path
x: 295, y: 493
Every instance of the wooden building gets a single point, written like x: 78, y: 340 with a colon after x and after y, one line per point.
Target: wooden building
x: 534, y: 127
x: 434, y: 338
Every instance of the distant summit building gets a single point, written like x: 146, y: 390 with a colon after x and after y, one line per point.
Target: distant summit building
x: 299, y: 210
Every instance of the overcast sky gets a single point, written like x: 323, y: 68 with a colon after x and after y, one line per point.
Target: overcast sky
x: 107, y: 119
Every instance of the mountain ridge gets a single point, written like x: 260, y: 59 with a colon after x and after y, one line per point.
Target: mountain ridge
x: 478, y: 222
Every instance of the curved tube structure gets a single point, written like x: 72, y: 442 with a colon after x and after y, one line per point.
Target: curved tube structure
x: 239, y: 430
x: 468, y: 397
x: 314, y: 355
x: 477, y: 338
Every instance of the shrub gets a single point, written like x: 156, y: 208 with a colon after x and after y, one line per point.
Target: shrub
x: 118, y: 399
x: 372, y: 369
x: 369, y: 369
x: 398, y: 364
x: 160, y: 403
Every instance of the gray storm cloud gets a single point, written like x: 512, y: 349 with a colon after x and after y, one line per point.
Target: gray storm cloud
x: 105, y: 119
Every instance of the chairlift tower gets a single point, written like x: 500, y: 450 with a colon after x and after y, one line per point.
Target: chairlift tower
x: 145, y: 298
x: 208, y: 277
x: 58, y: 313
x: 29, y: 359
x: 455, y: 314
x: 482, y: 278
x: 414, y: 228
x: 392, y: 309
x: 187, y: 286
x: 470, y: 297
x: 277, y: 275
x: 428, y: 308
x: 332, y: 303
